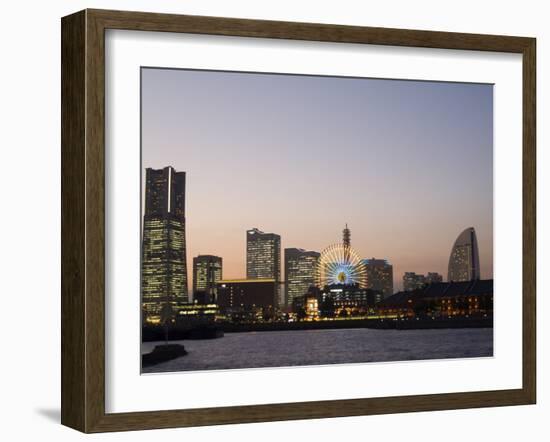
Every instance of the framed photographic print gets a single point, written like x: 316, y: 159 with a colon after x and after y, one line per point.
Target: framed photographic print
x: 271, y: 220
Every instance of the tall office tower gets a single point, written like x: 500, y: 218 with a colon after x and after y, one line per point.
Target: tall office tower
x: 207, y: 272
x: 300, y: 268
x: 413, y: 281
x: 379, y: 276
x: 433, y: 277
x: 263, y: 255
x: 464, y: 259
x: 164, y: 262
x: 263, y: 259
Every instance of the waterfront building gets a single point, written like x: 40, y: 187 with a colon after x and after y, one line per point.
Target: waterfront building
x: 433, y: 277
x: 194, y: 311
x: 207, y: 272
x: 464, y: 258
x: 379, y: 275
x: 164, y: 262
x: 247, y: 293
x: 197, y: 318
x: 413, y: 281
x: 471, y: 299
x: 336, y: 301
x: 311, y: 308
x: 300, y: 268
x: 348, y: 300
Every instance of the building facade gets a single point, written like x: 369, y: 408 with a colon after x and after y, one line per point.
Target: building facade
x: 207, y: 272
x: 379, y: 275
x: 300, y: 268
x: 336, y: 301
x: 245, y: 294
x: 164, y: 262
x: 349, y: 300
x: 263, y: 255
x: 464, y: 259
x: 413, y: 281
x: 433, y: 277
x: 468, y: 299
x: 197, y: 312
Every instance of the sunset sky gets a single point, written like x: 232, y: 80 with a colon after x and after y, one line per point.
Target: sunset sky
x: 407, y: 164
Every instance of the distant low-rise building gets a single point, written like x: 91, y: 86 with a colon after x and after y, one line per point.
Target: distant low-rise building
x: 443, y: 299
x: 433, y: 277
x: 413, y: 281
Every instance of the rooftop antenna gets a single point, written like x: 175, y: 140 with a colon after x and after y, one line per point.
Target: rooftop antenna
x: 347, y: 236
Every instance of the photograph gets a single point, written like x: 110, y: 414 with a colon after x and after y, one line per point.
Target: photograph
x: 306, y: 220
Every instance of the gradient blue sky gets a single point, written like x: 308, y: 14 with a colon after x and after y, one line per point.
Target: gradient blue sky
x: 407, y: 164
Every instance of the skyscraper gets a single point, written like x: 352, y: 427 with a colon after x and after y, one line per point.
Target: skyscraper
x: 379, y: 276
x: 263, y: 255
x: 413, y: 281
x: 300, y: 267
x: 207, y: 272
x: 164, y: 262
x: 464, y: 259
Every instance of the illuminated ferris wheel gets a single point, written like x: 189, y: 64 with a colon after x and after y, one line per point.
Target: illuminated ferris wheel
x: 340, y: 264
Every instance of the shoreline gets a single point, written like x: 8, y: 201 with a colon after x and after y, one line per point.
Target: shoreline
x: 386, y: 324
x: 217, y: 330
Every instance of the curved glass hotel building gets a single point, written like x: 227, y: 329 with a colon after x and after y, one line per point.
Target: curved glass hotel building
x: 464, y: 259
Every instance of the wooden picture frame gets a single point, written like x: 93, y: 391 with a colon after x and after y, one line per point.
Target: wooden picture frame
x: 83, y: 220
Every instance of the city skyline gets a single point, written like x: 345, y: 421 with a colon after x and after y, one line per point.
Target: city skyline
x: 304, y: 197
x: 165, y: 193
